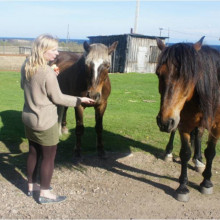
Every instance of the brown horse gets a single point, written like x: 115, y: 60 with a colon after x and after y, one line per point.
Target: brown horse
x: 189, y: 76
x: 87, y: 76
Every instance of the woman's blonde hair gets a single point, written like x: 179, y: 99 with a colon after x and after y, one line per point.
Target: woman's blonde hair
x: 40, y: 45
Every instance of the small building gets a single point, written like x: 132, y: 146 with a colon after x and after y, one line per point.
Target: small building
x: 24, y: 50
x: 134, y: 53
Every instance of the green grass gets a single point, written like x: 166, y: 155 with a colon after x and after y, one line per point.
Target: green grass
x: 129, y: 121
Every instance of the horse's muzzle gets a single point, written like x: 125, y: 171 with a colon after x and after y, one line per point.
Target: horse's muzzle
x: 95, y: 96
x: 167, y: 126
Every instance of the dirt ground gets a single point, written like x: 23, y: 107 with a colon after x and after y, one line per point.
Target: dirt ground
x: 131, y: 186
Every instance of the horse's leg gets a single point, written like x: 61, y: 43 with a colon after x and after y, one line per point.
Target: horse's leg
x: 182, y: 192
x: 64, y: 123
x: 169, y: 148
x: 79, y: 129
x: 196, y: 139
x: 99, y: 112
x: 210, y: 151
x: 60, y: 110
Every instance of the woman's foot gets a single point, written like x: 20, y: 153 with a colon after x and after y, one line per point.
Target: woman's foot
x: 47, y: 197
x: 32, y: 187
x: 47, y: 194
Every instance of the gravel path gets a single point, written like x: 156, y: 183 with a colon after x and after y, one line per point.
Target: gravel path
x: 137, y: 185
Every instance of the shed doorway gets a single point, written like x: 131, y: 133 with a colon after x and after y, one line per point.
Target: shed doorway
x: 142, y: 59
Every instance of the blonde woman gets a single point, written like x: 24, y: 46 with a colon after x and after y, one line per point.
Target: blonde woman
x: 42, y: 95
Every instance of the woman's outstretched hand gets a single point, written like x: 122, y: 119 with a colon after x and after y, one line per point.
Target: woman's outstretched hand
x: 85, y: 100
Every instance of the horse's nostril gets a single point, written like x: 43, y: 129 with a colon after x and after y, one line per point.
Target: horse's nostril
x: 94, y: 95
x: 98, y: 96
x: 172, y: 122
x: 158, y: 120
x: 166, y: 126
x: 88, y: 94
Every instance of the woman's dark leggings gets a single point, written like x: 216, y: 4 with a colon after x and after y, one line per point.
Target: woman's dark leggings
x: 48, y: 154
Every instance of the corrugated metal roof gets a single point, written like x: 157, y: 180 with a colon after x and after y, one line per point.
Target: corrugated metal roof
x: 132, y: 35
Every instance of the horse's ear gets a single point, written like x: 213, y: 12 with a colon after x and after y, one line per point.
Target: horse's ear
x: 112, y: 47
x: 198, y: 44
x: 160, y: 44
x: 86, y: 46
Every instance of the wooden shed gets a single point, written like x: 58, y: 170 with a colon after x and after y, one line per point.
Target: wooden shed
x: 134, y: 53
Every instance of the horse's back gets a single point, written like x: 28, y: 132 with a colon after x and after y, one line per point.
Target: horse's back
x: 66, y: 59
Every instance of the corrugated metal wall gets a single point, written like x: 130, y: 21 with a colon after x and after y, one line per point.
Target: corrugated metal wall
x: 139, y: 53
x: 119, y: 55
x: 134, y: 53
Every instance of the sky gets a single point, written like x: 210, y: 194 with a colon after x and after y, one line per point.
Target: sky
x: 181, y: 21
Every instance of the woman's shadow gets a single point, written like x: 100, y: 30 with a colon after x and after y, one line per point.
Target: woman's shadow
x: 12, y: 158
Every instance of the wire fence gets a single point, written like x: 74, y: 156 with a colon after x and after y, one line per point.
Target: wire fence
x: 27, y: 50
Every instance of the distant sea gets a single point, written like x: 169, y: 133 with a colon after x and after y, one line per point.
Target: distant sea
x: 79, y: 41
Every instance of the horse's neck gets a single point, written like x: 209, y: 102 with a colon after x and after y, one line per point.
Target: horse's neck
x: 83, y: 73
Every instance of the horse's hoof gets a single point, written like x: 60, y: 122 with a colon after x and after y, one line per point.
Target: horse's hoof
x: 65, y: 130
x: 200, y: 169
x: 102, y: 155
x: 199, y: 166
x: 169, y: 157
x: 182, y: 197
x: 77, y: 154
x: 77, y: 160
x: 206, y: 191
x: 182, y: 193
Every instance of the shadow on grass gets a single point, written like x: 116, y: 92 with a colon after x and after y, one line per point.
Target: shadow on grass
x: 13, y: 163
x: 13, y: 160
x: 112, y: 143
x: 12, y: 130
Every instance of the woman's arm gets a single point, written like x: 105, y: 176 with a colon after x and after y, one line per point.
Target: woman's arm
x: 58, y: 98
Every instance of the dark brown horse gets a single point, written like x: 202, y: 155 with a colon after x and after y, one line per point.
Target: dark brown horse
x: 87, y: 76
x: 195, y: 140
x: 189, y: 76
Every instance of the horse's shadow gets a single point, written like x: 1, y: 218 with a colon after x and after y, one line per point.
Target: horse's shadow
x: 112, y: 163
x: 12, y: 158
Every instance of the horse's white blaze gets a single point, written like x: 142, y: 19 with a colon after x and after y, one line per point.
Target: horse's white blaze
x: 97, y: 63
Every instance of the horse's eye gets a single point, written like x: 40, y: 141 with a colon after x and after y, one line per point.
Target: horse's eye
x: 106, y: 65
x: 157, y: 71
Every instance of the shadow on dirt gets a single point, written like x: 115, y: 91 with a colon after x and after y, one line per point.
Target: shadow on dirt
x: 13, y: 162
x: 114, y: 153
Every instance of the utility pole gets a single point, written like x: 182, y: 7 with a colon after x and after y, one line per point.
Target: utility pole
x: 160, y: 31
x: 168, y: 35
x: 136, y: 16
x: 68, y: 34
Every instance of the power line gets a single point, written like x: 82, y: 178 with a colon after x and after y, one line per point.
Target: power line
x: 187, y: 33
x: 68, y: 34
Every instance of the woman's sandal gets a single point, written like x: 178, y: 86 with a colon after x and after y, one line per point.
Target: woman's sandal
x: 44, y: 200
x: 31, y: 193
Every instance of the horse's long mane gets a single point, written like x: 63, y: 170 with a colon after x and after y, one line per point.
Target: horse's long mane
x: 182, y: 56
x: 201, y: 68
